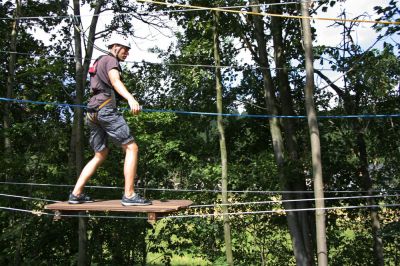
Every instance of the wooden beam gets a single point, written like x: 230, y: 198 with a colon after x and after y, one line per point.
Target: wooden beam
x: 157, y: 209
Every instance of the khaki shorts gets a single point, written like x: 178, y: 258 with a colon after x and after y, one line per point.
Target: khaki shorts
x: 111, y: 124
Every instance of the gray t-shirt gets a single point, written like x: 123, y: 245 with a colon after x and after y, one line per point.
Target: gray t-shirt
x: 100, y: 83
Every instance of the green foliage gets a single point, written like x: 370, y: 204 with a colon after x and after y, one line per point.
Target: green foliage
x: 349, y: 235
x: 388, y: 13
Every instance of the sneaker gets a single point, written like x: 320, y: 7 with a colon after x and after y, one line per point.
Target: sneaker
x: 135, y: 200
x: 81, y: 198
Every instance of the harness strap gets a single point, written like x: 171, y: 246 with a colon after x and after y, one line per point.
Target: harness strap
x: 103, y: 104
x: 92, y: 116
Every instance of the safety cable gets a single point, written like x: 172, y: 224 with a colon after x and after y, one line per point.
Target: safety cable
x: 28, y: 198
x: 41, y: 55
x: 264, y: 14
x: 238, y: 203
x: 221, y: 9
x: 290, y: 200
x: 215, y: 214
x: 142, y: 12
x: 280, y: 211
x: 211, y: 190
x: 40, y: 213
x: 365, y: 116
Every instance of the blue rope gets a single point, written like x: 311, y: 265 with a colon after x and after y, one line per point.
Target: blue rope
x: 366, y: 116
x: 42, y: 103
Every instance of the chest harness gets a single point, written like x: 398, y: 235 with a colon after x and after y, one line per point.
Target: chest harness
x: 92, y: 113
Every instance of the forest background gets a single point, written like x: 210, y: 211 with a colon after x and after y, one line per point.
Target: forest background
x: 255, y: 165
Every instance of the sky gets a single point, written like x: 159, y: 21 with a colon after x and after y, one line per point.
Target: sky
x: 364, y: 34
x: 146, y: 38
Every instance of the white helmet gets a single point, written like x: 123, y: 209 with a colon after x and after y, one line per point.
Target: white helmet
x: 118, y: 40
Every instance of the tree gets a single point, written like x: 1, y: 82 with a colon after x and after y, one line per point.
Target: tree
x: 11, y: 75
x: 222, y: 142
x: 322, y: 251
x: 360, y: 92
x: 285, y: 151
x: 389, y: 12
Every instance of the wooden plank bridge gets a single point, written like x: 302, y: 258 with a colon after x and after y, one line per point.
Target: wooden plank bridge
x: 154, y: 211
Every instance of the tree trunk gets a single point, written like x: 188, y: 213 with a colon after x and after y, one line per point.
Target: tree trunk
x: 322, y: 252
x: 78, y: 112
x: 7, y: 118
x: 82, y: 241
x: 78, y: 127
x: 11, y: 78
x: 367, y: 185
x: 222, y: 142
x: 296, y: 184
x: 295, y: 227
x: 77, y: 140
x: 91, y: 39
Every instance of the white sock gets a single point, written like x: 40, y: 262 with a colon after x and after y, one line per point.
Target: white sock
x: 131, y: 196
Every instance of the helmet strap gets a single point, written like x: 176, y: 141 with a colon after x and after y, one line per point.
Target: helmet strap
x: 116, y: 51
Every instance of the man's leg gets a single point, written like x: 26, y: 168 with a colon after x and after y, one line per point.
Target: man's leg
x: 130, y: 198
x: 130, y: 166
x: 89, y: 170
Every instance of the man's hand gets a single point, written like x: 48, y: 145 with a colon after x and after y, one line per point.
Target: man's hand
x: 119, y: 87
x: 134, y: 105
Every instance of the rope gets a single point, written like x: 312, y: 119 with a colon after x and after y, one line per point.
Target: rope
x: 264, y: 14
x: 365, y: 116
x: 291, y: 200
x: 30, y: 198
x: 236, y: 203
x: 210, y: 190
x: 279, y: 211
x: 263, y: 4
x: 154, y: 12
x: 39, y: 213
x: 227, y: 9
x: 35, y: 184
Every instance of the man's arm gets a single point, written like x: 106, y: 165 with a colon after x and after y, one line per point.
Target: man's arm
x: 116, y: 82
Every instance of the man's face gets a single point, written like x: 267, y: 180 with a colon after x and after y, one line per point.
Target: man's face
x: 121, y: 52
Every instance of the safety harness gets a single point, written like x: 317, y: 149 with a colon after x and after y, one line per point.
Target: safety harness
x: 92, y: 113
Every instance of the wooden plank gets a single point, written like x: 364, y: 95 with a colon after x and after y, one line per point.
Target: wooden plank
x: 153, y: 211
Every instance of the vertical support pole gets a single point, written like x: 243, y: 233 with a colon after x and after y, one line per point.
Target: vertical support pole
x: 82, y: 254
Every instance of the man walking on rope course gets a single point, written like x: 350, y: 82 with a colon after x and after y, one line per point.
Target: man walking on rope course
x: 105, y: 121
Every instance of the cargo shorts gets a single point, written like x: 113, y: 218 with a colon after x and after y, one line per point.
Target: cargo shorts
x: 111, y: 124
